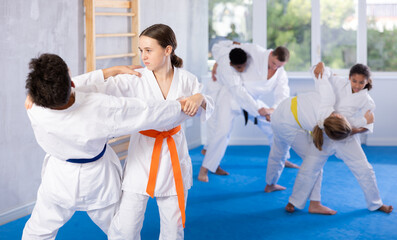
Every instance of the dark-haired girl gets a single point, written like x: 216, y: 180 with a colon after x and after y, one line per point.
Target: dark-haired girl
x: 353, y: 102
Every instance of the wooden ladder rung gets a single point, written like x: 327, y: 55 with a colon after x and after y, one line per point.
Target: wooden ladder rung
x: 119, y: 139
x: 112, y: 4
x: 128, y: 14
x: 121, y: 147
x: 115, y: 35
x: 116, y: 56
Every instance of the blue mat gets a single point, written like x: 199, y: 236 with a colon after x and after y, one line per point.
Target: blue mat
x: 235, y: 206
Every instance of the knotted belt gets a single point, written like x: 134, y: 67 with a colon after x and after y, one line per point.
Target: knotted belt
x: 154, y: 165
x: 87, y: 160
x: 294, y: 109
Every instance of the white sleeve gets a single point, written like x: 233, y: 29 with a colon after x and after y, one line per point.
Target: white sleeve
x: 327, y: 72
x: 206, y: 113
x: 361, y: 121
x: 229, y: 78
x: 327, y: 96
x: 245, y: 100
x: 221, y: 49
x: 252, y: 49
x: 90, y: 78
x: 122, y: 85
x: 131, y: 114
x: 281, y: 91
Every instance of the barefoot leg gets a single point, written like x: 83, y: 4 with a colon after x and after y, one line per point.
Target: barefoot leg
x: 203, y: 175
x: 386, y: 209
x: 274, y: 187
x: 203, y: 151
x: 220, y: 171
x: 290, y: 208
x: 318, y: 208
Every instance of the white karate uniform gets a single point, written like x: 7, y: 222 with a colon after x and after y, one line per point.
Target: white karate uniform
x: 212, y: 89
x: 128, y: 221
x: 353, y: 106
x: 81, y: 131
x: 241, y: 90
x: 312, y: 108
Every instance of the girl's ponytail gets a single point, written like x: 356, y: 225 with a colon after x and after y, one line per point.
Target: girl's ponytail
x: 318, y: 138
x: 176, y: 61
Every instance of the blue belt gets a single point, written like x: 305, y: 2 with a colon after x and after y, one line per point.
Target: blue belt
x: 87, y: 160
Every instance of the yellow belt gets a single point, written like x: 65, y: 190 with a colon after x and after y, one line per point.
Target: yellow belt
x: 294, y: 109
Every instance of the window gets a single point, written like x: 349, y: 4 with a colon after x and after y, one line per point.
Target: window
x: 229, y: 20
x: 289, y: 24
x: 338, y: 33
x: 381, y: 35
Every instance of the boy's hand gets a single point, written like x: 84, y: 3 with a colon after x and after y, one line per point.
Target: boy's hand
x: 183, y: 103
x: 28, y: 102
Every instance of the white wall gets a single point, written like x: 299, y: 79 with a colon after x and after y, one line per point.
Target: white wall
x: 30, y: 28
x: 385, y: 97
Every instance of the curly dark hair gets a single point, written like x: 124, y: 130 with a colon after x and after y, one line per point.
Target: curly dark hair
x: 237, y: 56
x: 362, y: 70
x: 49, y: 83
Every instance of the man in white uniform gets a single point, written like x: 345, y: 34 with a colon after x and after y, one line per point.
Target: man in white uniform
x: 80, y: 172
x: 245, y: 79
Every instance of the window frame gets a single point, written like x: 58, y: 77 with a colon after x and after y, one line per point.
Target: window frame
x: 260, y: 36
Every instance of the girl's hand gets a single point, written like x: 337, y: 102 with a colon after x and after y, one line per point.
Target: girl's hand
x: 319, y: 70
x: 358, y: 130
x: 192, y: 104
x: 369, y: 116
x: 113, y: 71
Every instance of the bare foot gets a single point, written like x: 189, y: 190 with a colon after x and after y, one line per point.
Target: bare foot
x: 220, y: 171
x: 274, y: 187
x: 203, y: 175
x: 386, y: 209
x: 289, y: 164
x: 317, y: 207
x: 203, y: 151
x: 290, y: 208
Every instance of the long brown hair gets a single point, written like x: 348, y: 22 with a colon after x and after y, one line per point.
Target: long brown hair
x: 165, y: 37
x: 336, y: 128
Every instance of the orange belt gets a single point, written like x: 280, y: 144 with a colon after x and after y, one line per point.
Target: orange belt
x: 154, y: 165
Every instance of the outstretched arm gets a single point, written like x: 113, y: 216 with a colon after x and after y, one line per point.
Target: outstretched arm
x: 99, y: 76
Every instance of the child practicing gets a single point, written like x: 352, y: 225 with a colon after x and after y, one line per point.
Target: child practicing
x: 155, y: 167
x: 294, y: 119
x: 80, y: 171
x: 354, y: 102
